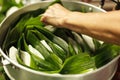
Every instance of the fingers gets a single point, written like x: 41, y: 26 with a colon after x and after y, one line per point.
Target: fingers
x: 49, y: 13
x: 54, y: 15
x: 48, y: 19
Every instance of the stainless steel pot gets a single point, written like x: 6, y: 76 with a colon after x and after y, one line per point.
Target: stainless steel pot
x: 18, y: 72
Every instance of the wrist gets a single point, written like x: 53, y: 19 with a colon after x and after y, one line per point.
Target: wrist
x: 71, y: 19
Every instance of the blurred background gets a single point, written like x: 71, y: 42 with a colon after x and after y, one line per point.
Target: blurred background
x: 9, y: 6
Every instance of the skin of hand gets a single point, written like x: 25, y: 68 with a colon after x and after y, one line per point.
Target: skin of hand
x: 99, y: 25
x: 54, y: 15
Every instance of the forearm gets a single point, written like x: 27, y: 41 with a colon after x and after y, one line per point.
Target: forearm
x: 103, y: 26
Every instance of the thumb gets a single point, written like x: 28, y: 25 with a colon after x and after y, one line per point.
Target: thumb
x: 50, y: 20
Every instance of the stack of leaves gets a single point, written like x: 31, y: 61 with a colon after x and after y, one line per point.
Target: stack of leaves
x: 48, y: 49
x: 5, y: 5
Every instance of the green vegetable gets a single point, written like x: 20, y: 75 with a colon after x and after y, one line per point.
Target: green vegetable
x: 6, y: 5
x: 49, y: 56
x: 53, y: 38
x: 58, y: 51
x: 34, y: 41
x: 34, y: 21
x: 105, y: 54
x: 97, y: 44
x: 55, y: 51
x: 2, y: 77
x: 78, y: 64
x: 71, y: 50
x: 16, y: 31
x: 2, y: 16
x: 54, y: 46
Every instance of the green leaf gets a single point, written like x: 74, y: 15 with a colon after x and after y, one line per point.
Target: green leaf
x: 32, y: 61
x: 20, y: 60
x: 86, y: 46
x: 97, y: 44
x: 49, y: 57
x: 2, y: 16
x: 35, y: 42
x: 6, y: 4
x: 50, y: 64
x: 14, y: 34
x: 1, y: 68
x: 62, y: 33
x: 58, y: 51
x: 78, y: 64
x: 55, y: 48
x: 40, y: 36
x: 71, y: 49
x: 43, y: 64
x: 34, y: 21
x: 55, y: 61
x: 36, y: 62
x: 2, y: 77
x: 63, y: 44
x: 105, y: 54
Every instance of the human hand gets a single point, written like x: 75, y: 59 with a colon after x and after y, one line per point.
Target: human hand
x: 55, y: 15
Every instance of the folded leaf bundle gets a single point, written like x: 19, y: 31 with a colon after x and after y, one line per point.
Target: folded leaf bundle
x: 54, y: 51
